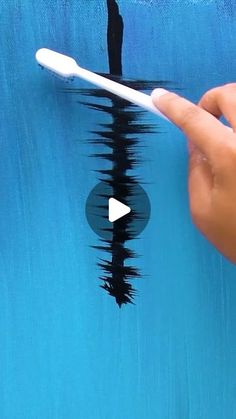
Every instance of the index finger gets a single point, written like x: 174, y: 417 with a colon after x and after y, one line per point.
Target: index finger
x: 203, y: 129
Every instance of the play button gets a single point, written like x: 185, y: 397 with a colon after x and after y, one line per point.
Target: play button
x: 117, y: 210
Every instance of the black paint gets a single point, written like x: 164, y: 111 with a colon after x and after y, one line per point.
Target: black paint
x: 114, y: 37
x: 121, y: 136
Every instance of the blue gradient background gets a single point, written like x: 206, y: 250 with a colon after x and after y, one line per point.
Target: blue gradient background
x: 67, y: 351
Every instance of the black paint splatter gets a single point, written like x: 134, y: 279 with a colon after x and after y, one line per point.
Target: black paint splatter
x: 122, y: 138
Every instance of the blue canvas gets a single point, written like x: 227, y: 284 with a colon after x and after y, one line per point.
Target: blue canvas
x: 68, y: 349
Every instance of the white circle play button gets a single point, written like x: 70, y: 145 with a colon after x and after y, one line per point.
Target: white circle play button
x: 117, y: 217
x: 117, y: 210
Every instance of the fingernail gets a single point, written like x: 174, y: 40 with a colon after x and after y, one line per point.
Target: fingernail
x: 157, y: 93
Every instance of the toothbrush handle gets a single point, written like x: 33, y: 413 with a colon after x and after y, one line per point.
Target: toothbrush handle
x: 138, y: 98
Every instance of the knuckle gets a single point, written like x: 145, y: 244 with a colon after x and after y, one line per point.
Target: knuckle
x: 227, y: 91
x: 218, y: 93
x: 211, y: 92
x: 208, y: 97
x: 228, y: 86
x: 190, y: 116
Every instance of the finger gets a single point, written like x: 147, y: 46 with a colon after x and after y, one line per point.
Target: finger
x: 200, y: 183
x: 202, y: 128
x: 221, y: 101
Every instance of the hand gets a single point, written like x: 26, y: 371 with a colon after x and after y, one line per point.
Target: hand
x: 212, y: 160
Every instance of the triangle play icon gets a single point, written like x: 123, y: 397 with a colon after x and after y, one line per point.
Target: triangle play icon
x: 117, y: 210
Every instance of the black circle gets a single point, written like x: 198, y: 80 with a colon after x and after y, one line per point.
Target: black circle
x: 125, y: 228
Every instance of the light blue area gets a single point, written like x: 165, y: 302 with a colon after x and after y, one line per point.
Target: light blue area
x: 67, y: 351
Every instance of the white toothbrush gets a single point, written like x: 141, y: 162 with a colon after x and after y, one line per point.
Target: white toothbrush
x: 67, y: 67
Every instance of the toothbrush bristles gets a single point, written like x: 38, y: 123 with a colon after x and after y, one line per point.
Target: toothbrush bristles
x: 65, y: 79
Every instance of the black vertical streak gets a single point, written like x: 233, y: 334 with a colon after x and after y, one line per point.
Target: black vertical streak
x: 114, y: 37
x: 116, y: 272
x: 122, y: 138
